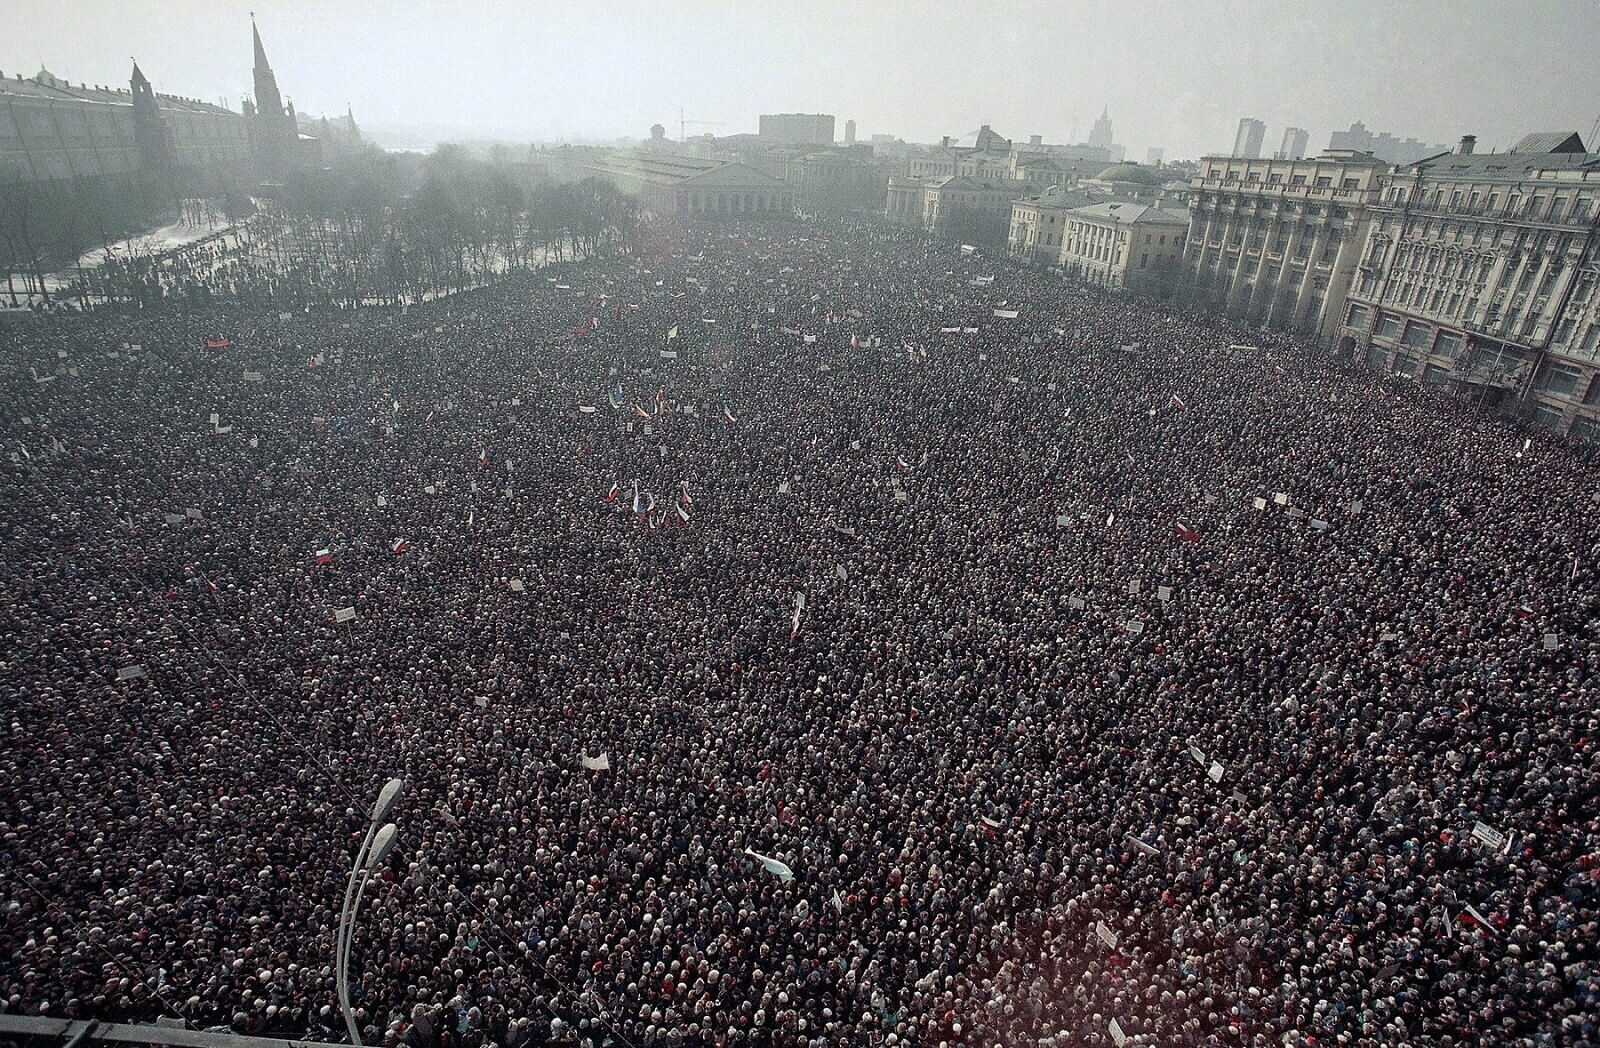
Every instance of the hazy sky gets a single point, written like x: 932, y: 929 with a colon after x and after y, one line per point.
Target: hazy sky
x: 1173, y: 74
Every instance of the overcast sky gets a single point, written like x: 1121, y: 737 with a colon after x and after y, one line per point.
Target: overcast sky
x: 1172, y: 74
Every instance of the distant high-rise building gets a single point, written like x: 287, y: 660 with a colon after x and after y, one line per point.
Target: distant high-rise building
x: 849, y: 132
x: 1383, y: 145
x: 796, y: 129
x: 1247, y: 142
x: 1154, y: 156
x: 1294, y: 144
x: 1100, y: 136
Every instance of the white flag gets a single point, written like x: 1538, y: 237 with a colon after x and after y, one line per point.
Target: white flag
x: 773, y: 866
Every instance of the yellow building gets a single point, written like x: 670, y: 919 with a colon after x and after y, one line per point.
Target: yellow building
x: 1131, y: 246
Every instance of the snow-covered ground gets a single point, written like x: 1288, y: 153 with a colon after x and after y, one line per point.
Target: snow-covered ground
x: 153, y: 242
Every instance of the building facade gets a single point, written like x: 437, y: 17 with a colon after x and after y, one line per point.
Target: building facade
x: 53, y: 131
x: 1276, y: 242
x: 679, y: 184
x: 1136, y: 247
x: 1247, y: 140
x: 796, y: 129
x: 1039, y: 223
x: 1482, y: 274
x: 975, y: 210
x: 838, y: 180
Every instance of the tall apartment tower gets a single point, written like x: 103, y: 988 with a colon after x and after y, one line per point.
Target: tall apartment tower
x: 1247, y: 143
x: 1294, y: 144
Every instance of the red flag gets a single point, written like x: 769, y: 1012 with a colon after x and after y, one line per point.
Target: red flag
x: 324, y: 557
x: 616, y: 489
x: 1184, y: 532
x: 217, y: 343
x: 400, y: 546
x: 1177, y: 402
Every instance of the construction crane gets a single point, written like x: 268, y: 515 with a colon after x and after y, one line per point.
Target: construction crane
x: 699, y: 123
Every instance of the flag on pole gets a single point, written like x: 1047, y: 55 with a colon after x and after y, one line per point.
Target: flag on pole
x: 687, y: 501
x: 772, y: 866
x: 672, y: 333
x: 727, y: 416
x: 1184, y: 532
x: 1177, y: 402
x: 611, y: 496
x: 324, y: 557
x: 399, y: 546
x: 683, y: 514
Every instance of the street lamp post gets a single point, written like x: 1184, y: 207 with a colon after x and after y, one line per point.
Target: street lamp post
x: 374, y: 849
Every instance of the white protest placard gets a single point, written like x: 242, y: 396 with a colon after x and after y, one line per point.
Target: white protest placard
x: 428, y: 489
x: 1134, y: 586
x: 344, y: 614
x: 223, y: 430
x: 1062, y: 520
x: 517, y: 585
x: 1281, y: 498
x: 1356, y: 506
x: 1296, y: 513
x: 1387, y: 637
x: 284, y: 316
x: 192, y: 513
x: 1318, y: 525
x: 1488, y: 835
x: 1106, y: 935
x: 600, y: 763
x: 586, y: 409
x: 1006, y: 314
x: 252, y: 376
x: 1214, y: 773
x: 1164, y: 593
x: 1258, y: 502
x: 1198, y: 754
x: 214, y: 419
x: 1239, y: 798
x: 669, y: 354
x: 382, y: 501
x: 1144, y: 848
x: 173, y: 518
x: 1135, y: 627
x: 1118, y: 1038
x: 783, y: 487
x: 1076, y: 603
x: 131, y: 672
x: 1551, y: 642
x: 482, y: 701
x: 1482, y: 920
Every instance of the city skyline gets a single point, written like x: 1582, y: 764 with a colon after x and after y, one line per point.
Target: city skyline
x: 600, y: 71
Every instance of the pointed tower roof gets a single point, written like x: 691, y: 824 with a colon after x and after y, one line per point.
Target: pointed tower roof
x: 138, y: 77
x: 255, y: 35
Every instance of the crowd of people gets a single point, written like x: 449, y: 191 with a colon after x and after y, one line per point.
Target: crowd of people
x: 978, y: 659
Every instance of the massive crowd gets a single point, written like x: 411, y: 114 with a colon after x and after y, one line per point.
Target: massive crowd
x: 1100, y: 672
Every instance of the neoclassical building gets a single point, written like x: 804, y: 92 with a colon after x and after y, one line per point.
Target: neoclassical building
x: 1276, y: 242
x: 1131, y: 246
x: 1482, y: 274
x: 977, y: 209
x: 681, y: 184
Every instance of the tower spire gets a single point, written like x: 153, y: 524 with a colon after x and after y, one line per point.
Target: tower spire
x: 261, y: 52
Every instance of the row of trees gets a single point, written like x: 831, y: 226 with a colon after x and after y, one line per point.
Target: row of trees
x: 371, y: 227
